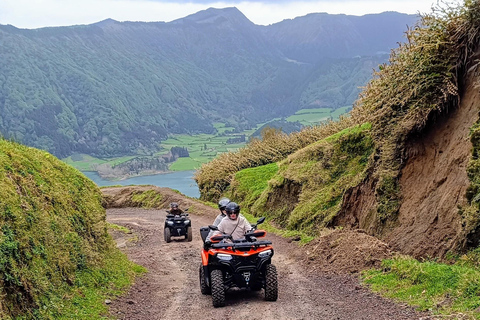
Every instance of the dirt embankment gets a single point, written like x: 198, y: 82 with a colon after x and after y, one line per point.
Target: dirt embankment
x: 433, y: 184
x: 318, y: 281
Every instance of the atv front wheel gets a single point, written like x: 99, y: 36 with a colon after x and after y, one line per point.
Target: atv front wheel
x: 189, y: 234
x: 204, y: 289
x: 271, y: 283
x: 166, y: 235
x: 218, y: 290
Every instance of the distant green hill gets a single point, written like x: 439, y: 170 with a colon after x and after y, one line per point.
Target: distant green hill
x: 112, y: 88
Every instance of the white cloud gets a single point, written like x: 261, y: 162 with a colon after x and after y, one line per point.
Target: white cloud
x: 41, y: 13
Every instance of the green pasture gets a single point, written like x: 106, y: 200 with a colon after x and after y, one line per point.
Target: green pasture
x: 215, y: 145
x: 221, y: 127
x: 205, y: 147
x: 309, y: 117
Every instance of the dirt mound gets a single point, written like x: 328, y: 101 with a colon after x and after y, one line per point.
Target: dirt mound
x: 346, y: 251
x: 123, y: 197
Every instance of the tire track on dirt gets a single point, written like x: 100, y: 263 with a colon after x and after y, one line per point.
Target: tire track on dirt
x: 170, y: 290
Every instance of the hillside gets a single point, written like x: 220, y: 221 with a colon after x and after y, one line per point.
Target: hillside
x: 56, y: 257
x: 401, y: 167
x: 118, y: 88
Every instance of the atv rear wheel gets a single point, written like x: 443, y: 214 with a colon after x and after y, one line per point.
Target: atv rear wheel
x: 204, y: 289
x: 189, y: 236
x: 218, y: 290
x: 166, y: 235
x: 271, y: 283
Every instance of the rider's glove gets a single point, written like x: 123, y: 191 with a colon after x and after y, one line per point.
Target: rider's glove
x: 207, y: 244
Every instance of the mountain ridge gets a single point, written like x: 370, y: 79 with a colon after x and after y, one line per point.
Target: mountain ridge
x: 116, y: 88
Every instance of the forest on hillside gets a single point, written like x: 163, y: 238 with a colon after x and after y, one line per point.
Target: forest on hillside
x: 112, y: 89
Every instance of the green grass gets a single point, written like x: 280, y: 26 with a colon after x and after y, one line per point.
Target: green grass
x: 249, y: 183
x: 441, y: 288
x: 184, y: 164
x: 117, y: 227
x: 147, y: 199
x: 310, y: 183
x: 56, y: 258
x: 267, y: 226
x: 340, y: 111
x: 86, y: 299
x: 309, y: 117
x: 221, y: 128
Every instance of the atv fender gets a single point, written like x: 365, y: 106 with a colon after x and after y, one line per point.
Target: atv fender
x: 205, y: 258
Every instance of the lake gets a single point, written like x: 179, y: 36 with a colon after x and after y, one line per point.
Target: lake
x: 179, y: 180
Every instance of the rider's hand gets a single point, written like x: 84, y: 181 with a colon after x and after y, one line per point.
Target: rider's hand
x: 207, y: 244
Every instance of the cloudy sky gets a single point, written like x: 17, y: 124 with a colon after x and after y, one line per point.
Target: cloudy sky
x: 43, y: 13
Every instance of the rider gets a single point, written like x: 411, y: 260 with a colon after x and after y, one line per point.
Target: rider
x: 174, y: 209
x: 221, y: 205
x: 234, y: 224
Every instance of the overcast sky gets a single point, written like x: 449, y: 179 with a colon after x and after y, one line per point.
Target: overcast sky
x: 43, y: 13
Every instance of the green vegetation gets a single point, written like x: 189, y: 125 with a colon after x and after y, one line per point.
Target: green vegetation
x: 146, y: 199
x: 248, y: 184
x: 306, y: 192
x: 303, y: 192
x: 471, y: 211
x: 202, y: 149
x: 222, y: 128
x: 214, y: 177
x: 90, y: 89
x: 84, y: 162
x: 268, y: 226
x: 444, y: 289
x: 56, y: 257
x: 309, y: 117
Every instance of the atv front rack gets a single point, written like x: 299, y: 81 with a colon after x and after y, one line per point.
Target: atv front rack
x: 241, y: 245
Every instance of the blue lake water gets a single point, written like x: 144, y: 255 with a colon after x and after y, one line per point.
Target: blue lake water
x: 179, y: 180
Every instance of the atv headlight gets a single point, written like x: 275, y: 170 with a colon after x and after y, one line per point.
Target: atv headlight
x: 224, y: 257
x: 186, y: 222
x: 264, y: 254
x: 170, y: 223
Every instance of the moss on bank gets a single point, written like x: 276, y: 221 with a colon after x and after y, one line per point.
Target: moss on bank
x: 53, y: 237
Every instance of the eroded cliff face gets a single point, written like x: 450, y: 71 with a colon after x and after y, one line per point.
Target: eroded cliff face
x: 433, y: 184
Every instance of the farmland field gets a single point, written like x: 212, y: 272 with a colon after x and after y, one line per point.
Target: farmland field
x: 202, y: 148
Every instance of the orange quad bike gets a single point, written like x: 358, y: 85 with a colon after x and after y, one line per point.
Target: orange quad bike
x: 244, y: 263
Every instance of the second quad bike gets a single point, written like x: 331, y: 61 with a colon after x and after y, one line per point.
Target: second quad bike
x: 177, y: 226
x: 244, y: 263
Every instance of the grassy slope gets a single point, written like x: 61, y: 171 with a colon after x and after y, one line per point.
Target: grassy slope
x: 322, y: 172
x: 56, y: 257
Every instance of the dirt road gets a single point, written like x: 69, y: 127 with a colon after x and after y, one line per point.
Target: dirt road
x: 170, y: 290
